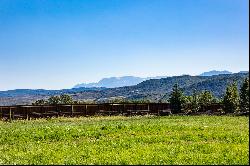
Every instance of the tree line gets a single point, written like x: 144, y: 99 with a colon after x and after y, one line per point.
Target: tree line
x: 67, y: 99
x: 234, y: 100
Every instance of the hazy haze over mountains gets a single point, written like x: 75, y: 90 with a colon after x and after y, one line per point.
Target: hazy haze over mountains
x: 114, y: 82
x: 215, y: 72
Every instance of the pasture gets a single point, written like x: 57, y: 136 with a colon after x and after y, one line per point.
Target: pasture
x: 126, y: 140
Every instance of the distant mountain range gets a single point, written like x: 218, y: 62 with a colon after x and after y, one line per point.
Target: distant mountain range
x: 215, y: 72
x: 157, y: 89
x: 114, y: 82
x: 44, y: 92
x: 152, y: 89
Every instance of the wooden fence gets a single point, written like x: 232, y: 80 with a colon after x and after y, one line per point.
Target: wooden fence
x: 127, y: 109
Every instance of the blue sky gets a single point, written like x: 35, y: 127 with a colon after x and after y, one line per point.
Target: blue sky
x: 56, y: 44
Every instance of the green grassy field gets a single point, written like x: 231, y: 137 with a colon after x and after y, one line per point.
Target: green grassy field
x: 126, y: 140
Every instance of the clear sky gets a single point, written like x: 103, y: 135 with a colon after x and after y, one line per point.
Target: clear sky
x: 55, y: 44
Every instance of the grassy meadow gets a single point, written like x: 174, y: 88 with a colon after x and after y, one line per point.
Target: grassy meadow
x: 126, y: 140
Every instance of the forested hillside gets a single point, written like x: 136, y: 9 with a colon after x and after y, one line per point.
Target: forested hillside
x: 153, y: 89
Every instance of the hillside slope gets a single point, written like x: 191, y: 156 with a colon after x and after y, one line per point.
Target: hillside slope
x: 153, y: 89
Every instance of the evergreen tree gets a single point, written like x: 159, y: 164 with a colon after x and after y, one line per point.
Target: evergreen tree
x: 187, y: 107
x: 40, y: 102
x: 176, y: 99
x: 244, y: 96
x: 195, y: 101
x: 66, y: 99
x: 206, y: 98
x: 54, y: 100
x: 231, y: 99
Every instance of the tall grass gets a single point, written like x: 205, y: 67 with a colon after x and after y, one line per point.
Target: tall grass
x: 126, y: 140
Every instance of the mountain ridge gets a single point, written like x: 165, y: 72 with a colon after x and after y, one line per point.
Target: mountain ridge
x: 215, y: 72
x: 152, y: 89
x: 114, y: 82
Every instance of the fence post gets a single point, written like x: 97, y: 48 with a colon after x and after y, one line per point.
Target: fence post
x: 41, y: 110
x: 123, y: 111
x: 1, y: 112
x: 72, y: 110
x: 86, y: 106
x: 136, y: 111
x: 111, y: 109
x: 84, y: 111
x: 18, y: 111
x: 57, y: 112
x: 148, y: 109
x: 10, y: 114
x: 98, y: 109
x: 13, y: 113
x: 158, y: 109
x: 27, y: 113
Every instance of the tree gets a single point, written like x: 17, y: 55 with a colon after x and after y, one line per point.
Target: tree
x: 195, y: 106
x: 205, y: 99
x: 66, y: 99
x: 176, y: 99
x: 231, y: 99
x: 77, y: 102
x: 53, y: 100
x: 40, y: 102
x: 187, y: 104
x: 244, y: 96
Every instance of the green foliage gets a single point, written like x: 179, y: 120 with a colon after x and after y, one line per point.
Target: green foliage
x: 231, y: 99
x: 199, y: 101
x: 40, y: 102
x: 53, y: 100
x: 66, y: 99
x: 76, y: 102
x: 124, y: 100
x: 138, y: 101
x: 153, y: 89
x: 177, y: 100
x: 206, y: 98
x: 174, y: 140
x: 215, y: 84
x: 244, y: 96
x: 85, y: 101
x: 195, y: 106
x: 117, y: 100
x: 186, y: 105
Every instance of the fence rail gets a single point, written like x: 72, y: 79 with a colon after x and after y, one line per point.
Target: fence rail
x: 127, y: 109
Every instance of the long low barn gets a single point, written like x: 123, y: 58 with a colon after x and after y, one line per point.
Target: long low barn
x: 44, y: 111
